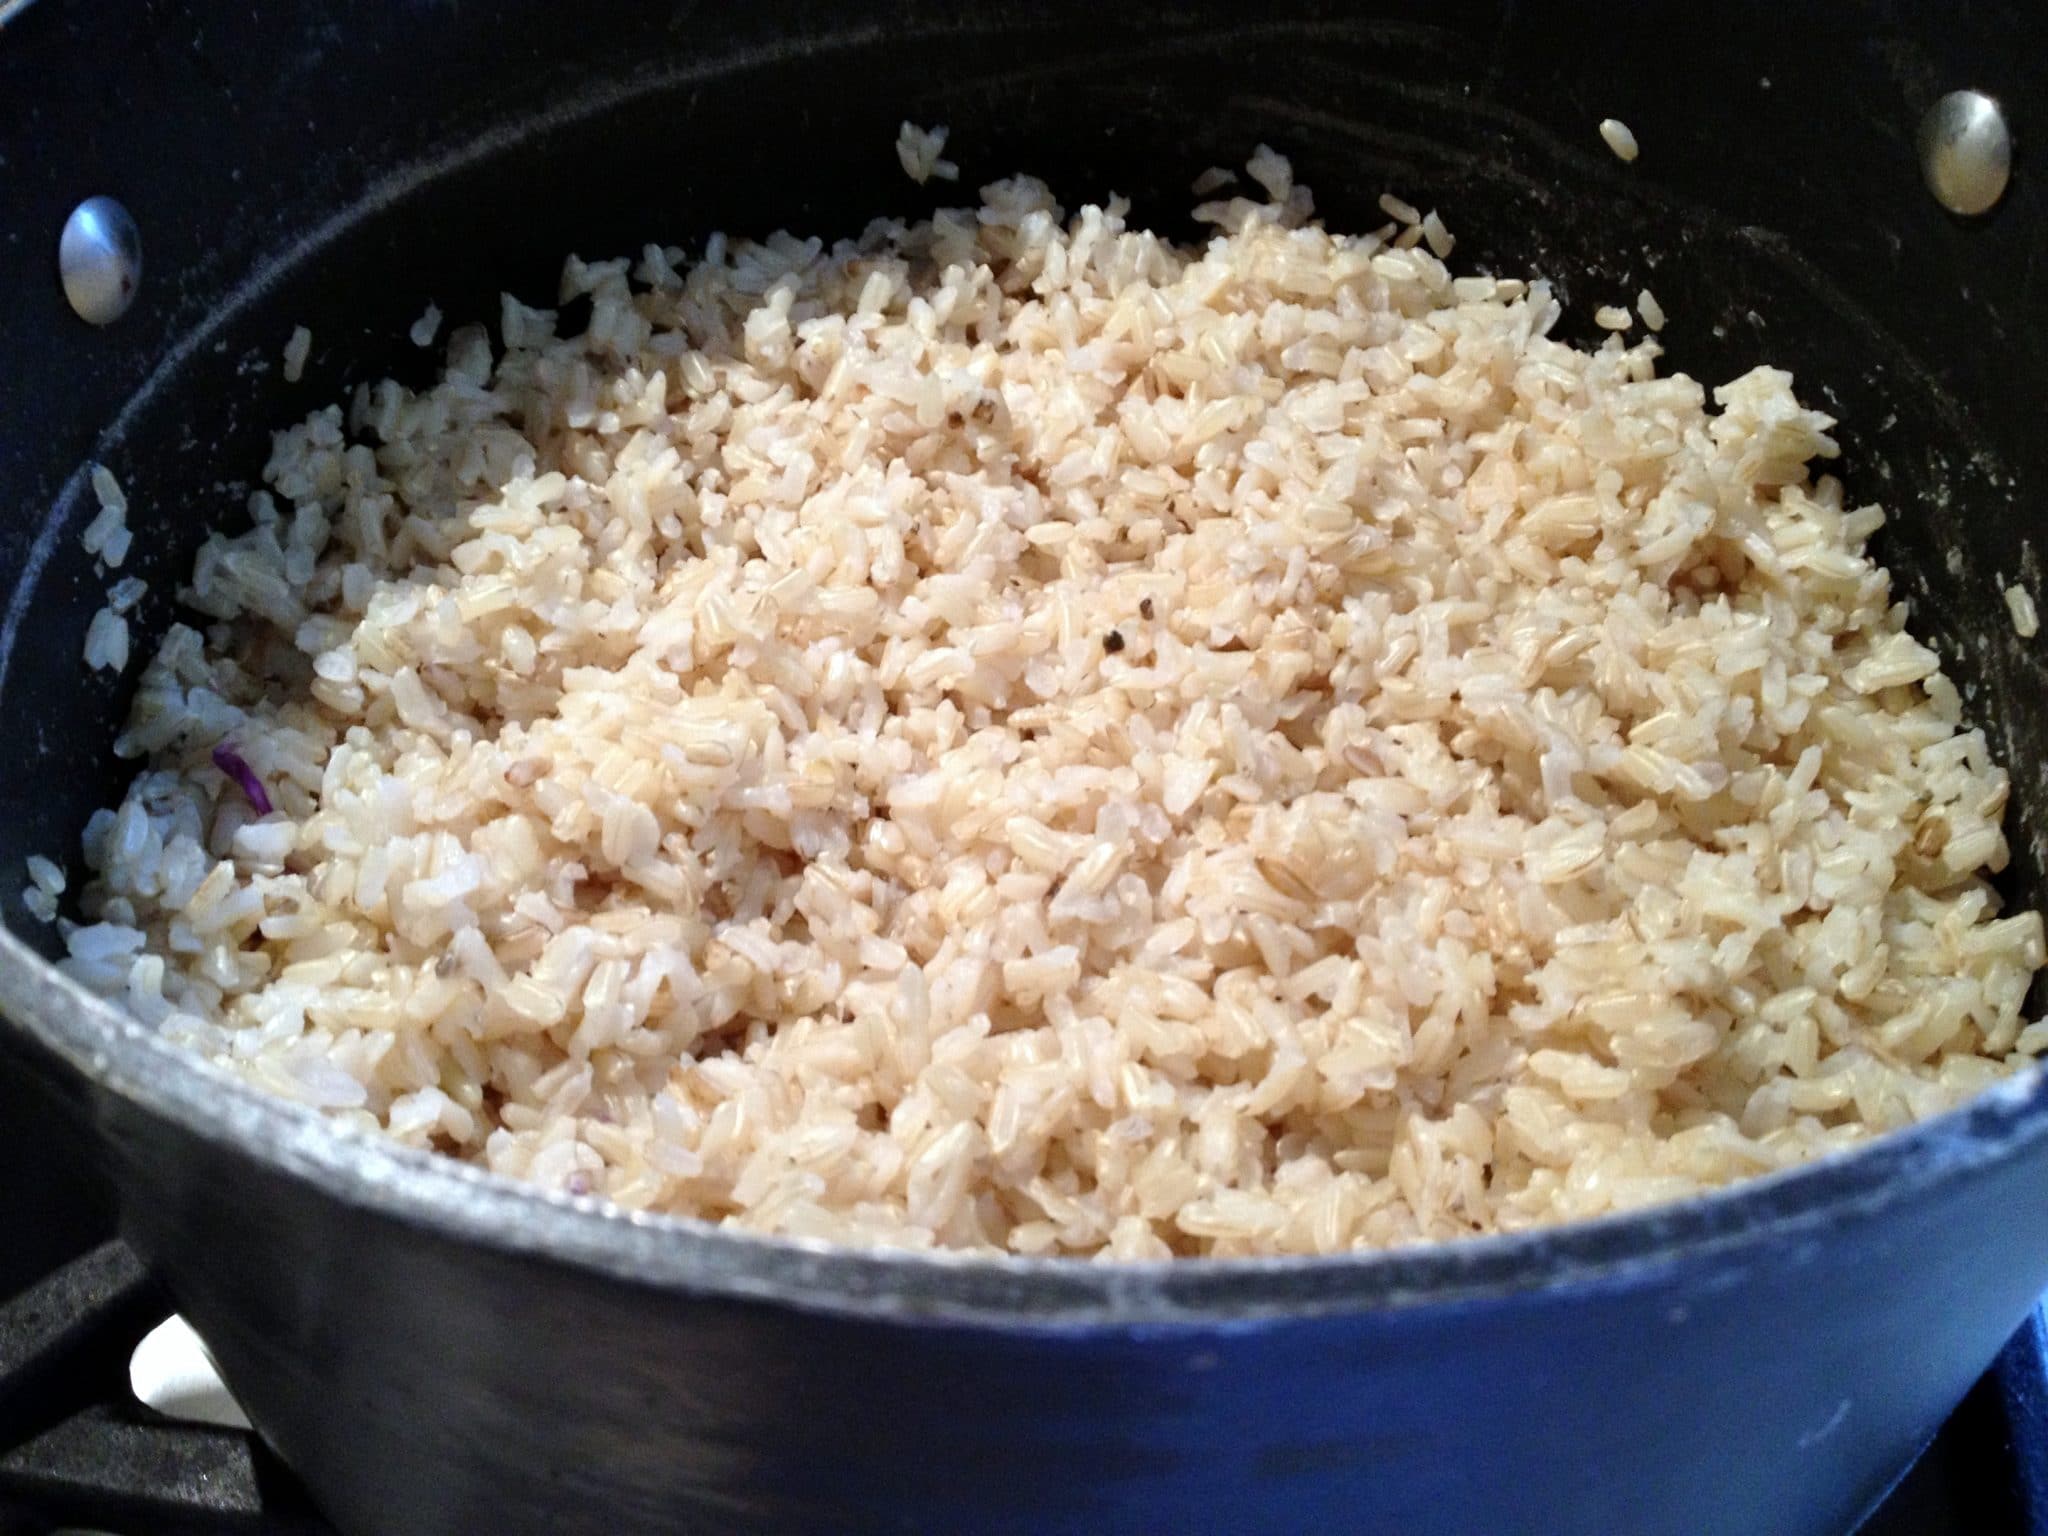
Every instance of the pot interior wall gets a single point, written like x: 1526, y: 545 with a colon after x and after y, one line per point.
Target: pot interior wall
x: 1776, y: 212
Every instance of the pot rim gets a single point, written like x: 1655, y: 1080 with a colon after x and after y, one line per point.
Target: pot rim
x: 462, y: 1203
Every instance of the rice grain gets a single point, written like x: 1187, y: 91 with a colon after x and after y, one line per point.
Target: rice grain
x: 1618, y: 138
x: 2020, y: 603
x: 918, y: 151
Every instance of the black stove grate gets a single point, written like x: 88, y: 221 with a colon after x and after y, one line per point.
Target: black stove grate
x: 76, y: 1450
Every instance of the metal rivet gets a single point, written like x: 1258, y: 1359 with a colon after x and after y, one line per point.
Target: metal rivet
x: 1966, y: 152
x: 99, y: 257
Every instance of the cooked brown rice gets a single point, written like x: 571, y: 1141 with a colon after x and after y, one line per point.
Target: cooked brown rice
x: 1007, y: 733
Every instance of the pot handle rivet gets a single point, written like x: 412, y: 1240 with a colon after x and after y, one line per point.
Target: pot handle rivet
x: 1966, y: 152
x: 99, y: 257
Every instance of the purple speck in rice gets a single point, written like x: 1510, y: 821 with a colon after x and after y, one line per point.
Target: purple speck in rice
x: 236, y: 767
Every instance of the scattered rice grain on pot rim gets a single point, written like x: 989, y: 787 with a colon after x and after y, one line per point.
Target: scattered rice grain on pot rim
x: 296, y: 348
x: 45, y: 885
x: 918, y: 150
x: 1008, y: 733
x: 106, y: 535
x: 107, y: 491
x: 126, y: 593
x: 2019, y: 602
x: 1619, y: 138
x: 1651, y: 311
x: 45, y: 874
x: 426, y: 328
x: 106, y: 641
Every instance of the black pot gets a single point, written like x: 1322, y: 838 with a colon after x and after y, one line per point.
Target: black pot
x: 434, y: 1351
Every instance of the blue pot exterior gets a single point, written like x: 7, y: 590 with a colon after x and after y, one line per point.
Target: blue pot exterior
x: 420, y: 1382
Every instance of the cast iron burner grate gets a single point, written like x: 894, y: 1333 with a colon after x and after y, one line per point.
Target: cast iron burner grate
x: 76, y: 1450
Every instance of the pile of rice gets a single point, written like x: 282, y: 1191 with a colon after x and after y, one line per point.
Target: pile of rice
x: 1008, y: 733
